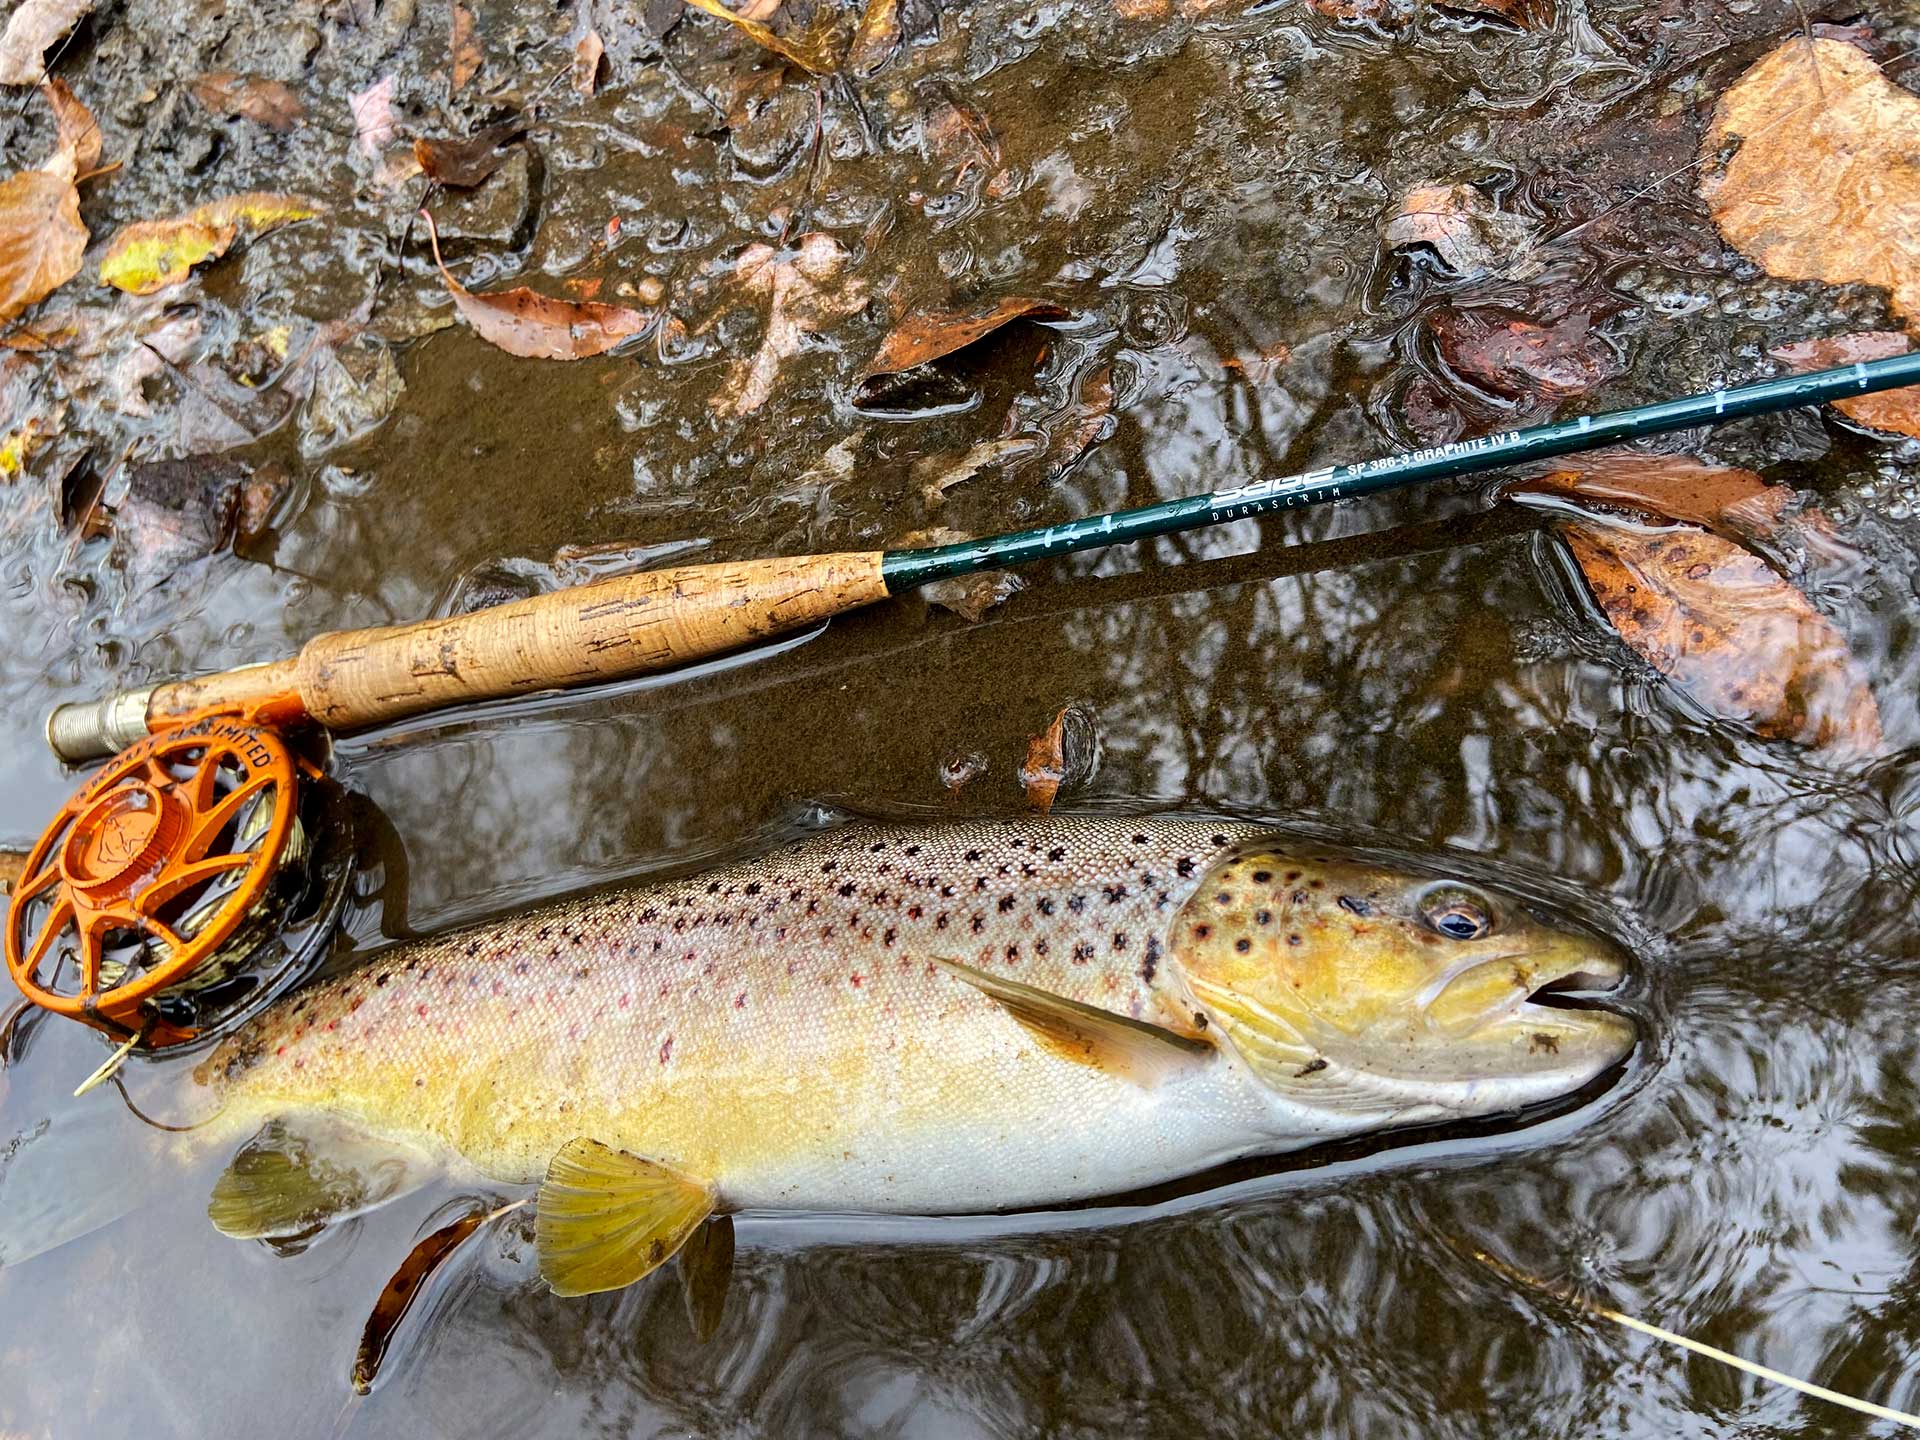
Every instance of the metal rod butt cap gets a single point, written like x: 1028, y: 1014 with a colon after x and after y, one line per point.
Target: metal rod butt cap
x: 94, y: 729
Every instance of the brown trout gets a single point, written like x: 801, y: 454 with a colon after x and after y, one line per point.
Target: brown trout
x: 984, y: 1016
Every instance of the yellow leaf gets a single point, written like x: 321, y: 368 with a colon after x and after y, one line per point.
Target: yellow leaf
x: 150, y: 255
x: 257, y: 211
x: 814, y: 51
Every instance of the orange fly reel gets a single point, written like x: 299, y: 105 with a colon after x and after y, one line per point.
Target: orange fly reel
x: 155, y: 877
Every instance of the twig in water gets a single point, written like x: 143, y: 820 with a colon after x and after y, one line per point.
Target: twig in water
x: 1698, y: 1347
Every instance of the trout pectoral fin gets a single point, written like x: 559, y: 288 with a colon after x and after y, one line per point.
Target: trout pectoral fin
x: 706, y: 1270
x: 290, y: 1179
x: 1085, y: 1034
x: 605, y: 1218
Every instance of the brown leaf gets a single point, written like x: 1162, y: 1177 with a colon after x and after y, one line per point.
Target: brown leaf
x: 1895, y: 411
x: 802, y: 299
x: 465, y: 163
x: 1512, y: 356
x: 1087, y: 423
x: 1670, y: 487
x: 968, y: 596
x: 938, y: 474
x: 523, y: 322
x: 401, y: 1293
x: 252, y: 97
x: 373, y: 123
x: 876, y: 39
x: 1046, y: 765
x: 1526, y: 14
x: 13, y: 864
x: 30, y: 31
x: 464, y: 52
x: 929, y: 334
x: 813, y: 52
x: 1726, y: 630
x: 1823, y: 182
x: 41, y: 238
x: 588, y: 56
x: 77, y: 149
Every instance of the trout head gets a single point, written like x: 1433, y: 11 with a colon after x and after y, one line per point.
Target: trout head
x: 1371, y: 995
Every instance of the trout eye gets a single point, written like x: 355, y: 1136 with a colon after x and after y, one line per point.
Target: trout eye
x: 1456, y: 912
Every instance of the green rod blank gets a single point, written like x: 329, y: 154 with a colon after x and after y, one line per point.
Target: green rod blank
x: 905, y: 569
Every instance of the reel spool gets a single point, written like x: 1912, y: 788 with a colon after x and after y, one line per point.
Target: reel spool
x: 181, y: 888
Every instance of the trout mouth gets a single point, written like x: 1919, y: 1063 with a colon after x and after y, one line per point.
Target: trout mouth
x: 1487, y: 991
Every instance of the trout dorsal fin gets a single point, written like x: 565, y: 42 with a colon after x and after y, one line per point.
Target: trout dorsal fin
x: 606, y: 1218
x: 290, y: 1179
x: 1085, y: 1034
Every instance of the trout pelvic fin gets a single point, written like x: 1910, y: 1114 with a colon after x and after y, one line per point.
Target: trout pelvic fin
x: 706, y: 1272
x: 287, y: 1181
x: 606, y: 1218
x: 1085, y: 1034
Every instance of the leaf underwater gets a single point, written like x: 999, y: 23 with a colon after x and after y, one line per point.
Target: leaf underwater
x: 1897, y: 412
x: 1823, y: 182
x: 398, y: 1298
x: 539, y: 327
x: 926, y: 335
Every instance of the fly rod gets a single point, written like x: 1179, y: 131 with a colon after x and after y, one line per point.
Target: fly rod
x: 630, y: 625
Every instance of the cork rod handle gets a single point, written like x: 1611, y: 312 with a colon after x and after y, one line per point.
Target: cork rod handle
x: 608, y: 630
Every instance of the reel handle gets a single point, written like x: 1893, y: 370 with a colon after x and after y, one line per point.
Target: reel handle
x: 608, y: 630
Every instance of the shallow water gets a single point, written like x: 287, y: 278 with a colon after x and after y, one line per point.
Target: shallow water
x: 1410, y: 669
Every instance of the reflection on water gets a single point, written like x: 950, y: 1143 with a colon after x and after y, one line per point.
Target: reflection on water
x: 1412, y: 669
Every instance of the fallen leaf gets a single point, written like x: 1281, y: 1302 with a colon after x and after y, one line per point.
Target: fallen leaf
x: 13, y: 864
x: 1510, y: 355
x: 1895, y: 411
x: 812, y: 52
x: 1466, y: 231
x: 801, y: 300
x: 588, y: 56
x: 77, y: 148
x: 465, y: 163
x: 464, y: 53
x: 251, y: 97
x: 876, y: 39
x: 30, y: 30
x: 175, y: 512
x: 938, y: 474
x: 958, y: 770
x: 930, y: 334
x: 524, y: 322
x: 41, y: 238
x: 1727, y: 631
x: 968, y: 596
x: 1088, y: 421
x: 1738, y: 503
x: 150, y: 255
x: 373, y: 123
x: 401, y: 1293
x: 260, y: 496
x: 1812, y: 168
x: 1046, y: 765
x: 1526, y: 14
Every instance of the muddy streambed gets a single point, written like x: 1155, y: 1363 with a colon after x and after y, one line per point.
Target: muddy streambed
x: 1203, y: 189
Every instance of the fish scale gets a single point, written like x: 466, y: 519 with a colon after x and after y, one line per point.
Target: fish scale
x: 780, y: 1025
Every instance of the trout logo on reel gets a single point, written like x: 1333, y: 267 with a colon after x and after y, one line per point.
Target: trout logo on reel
x: 142, y: 909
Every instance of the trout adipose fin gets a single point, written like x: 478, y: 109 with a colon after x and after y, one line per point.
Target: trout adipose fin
x: 606, y: 1218
x: 1085, y: 1034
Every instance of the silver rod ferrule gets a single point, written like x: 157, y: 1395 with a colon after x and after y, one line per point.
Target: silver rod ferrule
x: 93, y: 729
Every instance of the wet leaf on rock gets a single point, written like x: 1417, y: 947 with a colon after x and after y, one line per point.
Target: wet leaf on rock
x: 1812, y: 168
x: 265, y: 102
x: 814, y: 51
x: 402, y: 1292
x: 176, y: 512
x: 1089, y: 420
x: 465, y: 163
x: 373, y: 124
x: 1895, y: 411
x: 151, y: 255
x: 1045, y: 767
x: 31, y: 29
x: 1725, y: 629
x: 1511, y: 356
x: 926, y: 335
x: 77, y: 148
x: 464, y: 53
x: 938, y: 474
x: 805, y: 292
x: 588, y: 56
x: 539, y: 327
x: 876, y: 39
x: 1735, y: 502
x: 42, y: 238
